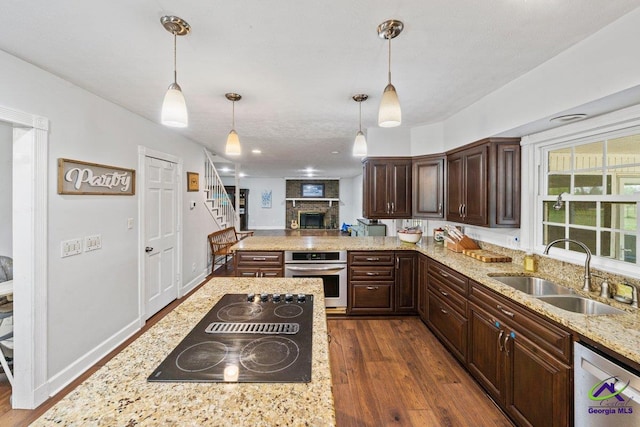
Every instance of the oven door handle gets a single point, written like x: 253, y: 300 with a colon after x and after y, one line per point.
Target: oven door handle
x: 292, y: 268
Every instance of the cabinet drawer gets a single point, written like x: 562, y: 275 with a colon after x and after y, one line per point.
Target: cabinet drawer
x: 371, y: 258
x: 376, y: 296
x: 537, y: 329
x: 454, y: 279
x: 371, y: 273
x: 448, y: 294
x: 260, y: 258
x: 449, y: 325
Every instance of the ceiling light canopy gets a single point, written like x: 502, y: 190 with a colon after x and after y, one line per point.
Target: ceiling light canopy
x: 360, y: 144
x: 233, y: 141
x: 174, y: 107
x: 389, y: 113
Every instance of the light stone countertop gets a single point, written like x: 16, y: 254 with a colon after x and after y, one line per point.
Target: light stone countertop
x: 118, y: 394
x: 620, y: 333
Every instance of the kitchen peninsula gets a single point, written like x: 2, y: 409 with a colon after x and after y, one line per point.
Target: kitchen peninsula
x: 620, y: 333
x: 119, y: 394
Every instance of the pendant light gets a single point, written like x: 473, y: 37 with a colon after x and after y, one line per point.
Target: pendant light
x: 360, y: 144
x: 174, y: 107
x: 389, y: 114
x: 233, y: 142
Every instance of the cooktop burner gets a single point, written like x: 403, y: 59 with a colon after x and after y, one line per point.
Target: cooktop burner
x: 246, y: 338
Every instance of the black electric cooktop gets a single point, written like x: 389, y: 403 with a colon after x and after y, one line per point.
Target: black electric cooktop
x: 246, y: 338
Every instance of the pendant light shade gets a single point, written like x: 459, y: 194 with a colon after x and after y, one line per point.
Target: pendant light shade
x: 360, y: 143
x: 389, y: 113
x: 174, y: 107
x: 233, y: 141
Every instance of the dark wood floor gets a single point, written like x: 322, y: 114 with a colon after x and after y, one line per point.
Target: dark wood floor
x: 387, y: 371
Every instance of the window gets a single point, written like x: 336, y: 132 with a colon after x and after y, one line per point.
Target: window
x: 591, y: 193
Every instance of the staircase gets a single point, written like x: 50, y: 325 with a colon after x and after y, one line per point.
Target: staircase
x: 218, y: 202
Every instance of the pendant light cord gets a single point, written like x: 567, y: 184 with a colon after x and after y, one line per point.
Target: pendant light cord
x: 175, y: 68
x: 389, y: 37
x: 233, y: 115
x: 360, y: 119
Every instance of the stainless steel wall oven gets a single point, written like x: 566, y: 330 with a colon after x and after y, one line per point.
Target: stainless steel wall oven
x: 330, y: 266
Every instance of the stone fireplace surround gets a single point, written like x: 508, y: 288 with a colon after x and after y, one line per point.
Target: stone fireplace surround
x: 329, y: 210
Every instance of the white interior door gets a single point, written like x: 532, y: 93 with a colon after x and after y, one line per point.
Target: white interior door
x: 161, y: 240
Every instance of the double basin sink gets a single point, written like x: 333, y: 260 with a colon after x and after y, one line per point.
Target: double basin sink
x: 556, y: 295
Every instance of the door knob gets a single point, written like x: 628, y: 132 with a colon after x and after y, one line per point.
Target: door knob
x: 148, y: 249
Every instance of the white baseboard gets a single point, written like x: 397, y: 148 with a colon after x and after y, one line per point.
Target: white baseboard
x: 77, y: 368
x: 188, y: 287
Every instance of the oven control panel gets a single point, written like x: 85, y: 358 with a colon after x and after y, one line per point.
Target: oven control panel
x: 277, y: 298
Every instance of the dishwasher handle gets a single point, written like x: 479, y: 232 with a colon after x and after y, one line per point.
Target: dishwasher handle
x: 621, y: 387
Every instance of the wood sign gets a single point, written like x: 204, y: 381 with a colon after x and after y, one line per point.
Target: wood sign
x: 76, y: 177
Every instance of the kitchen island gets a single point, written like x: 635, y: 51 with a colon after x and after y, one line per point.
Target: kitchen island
x: 118, y: 394
x: 620, y: 333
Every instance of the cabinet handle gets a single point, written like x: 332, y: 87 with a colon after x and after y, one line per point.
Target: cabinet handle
x: 259, y: 258
x: 439, y: 207
x: 508, y: 313
x: 506, y: 348
x: 372, y: 273
x: 372, y: 288
x: 460, y: 210
x: 373, y: 259
x: 443, y: 292
x: 464, y: 210
x: 388, y: 207
x: 250, y: 274
x: 443, y: 310
x: 397, y: 263
x: 444, y: 274
x: 393, y: 207
x: 500, y: 340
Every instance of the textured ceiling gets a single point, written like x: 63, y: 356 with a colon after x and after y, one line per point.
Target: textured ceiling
x: 296, y: 63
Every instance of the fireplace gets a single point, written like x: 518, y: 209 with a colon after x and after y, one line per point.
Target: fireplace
x: 311, y: 219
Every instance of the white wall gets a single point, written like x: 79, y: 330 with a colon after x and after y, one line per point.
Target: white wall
x: 385, y: 142
x: 6, y: 168
x: 427, y: 139
x: 350, y: 200
x: 94, y: 295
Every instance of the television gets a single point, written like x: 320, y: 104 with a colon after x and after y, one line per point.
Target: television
x: 312, y: 190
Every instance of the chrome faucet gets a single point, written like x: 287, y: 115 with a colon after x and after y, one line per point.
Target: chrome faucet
x: 587, y: 273
x: 634, y: 295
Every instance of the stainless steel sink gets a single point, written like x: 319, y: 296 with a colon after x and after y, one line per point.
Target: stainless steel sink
x: 533, y: 285
x: 578, y: 304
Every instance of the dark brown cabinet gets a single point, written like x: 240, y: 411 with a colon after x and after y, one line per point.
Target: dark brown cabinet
x: 513, y: 351
x: 447, y: 307
x: 406, y: 289
x: 371, y: 282
x: 259, y: 264
x: 387, y: 187
x: 428, y: 186
x: 382, y: 282
x: 483, y: 183
x: 422, y: 286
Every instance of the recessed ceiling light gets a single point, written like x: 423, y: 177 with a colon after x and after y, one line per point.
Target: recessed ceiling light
x: 568, y: 118
x: 242, y: 174
x: 256, y: 151
x: 335, y: 152
x: 225, y: 169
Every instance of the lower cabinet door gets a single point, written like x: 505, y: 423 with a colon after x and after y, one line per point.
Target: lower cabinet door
x: 448, y: 325
x: 485, y: 351
x: 370, y: 298
x: 538, y: 387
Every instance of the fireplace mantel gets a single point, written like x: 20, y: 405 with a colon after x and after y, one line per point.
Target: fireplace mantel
x: 311, y: 199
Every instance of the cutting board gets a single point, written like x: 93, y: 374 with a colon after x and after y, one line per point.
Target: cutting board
x: 486, y: 256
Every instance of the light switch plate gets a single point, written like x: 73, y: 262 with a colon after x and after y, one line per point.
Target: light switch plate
x: 91, y: 243
x: 70, y: 247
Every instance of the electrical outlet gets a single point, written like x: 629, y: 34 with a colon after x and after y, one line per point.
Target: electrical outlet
x: 91, y: 243
x: 129, y: 223
x: 193, y: 267
x: 70, y: 247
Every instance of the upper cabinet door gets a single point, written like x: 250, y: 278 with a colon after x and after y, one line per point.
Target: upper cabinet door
x: 428, y: 186
x: 483, y: 183
x: 387, y: 188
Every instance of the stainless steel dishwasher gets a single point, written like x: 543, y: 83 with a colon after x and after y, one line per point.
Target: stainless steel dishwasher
x: 606, y: 393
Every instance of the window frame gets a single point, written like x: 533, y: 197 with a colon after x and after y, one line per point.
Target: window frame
x: 535, y: 157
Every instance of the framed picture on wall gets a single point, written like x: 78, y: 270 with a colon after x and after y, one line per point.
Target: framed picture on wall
x: 193, y: 181
x: 315, y: 190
